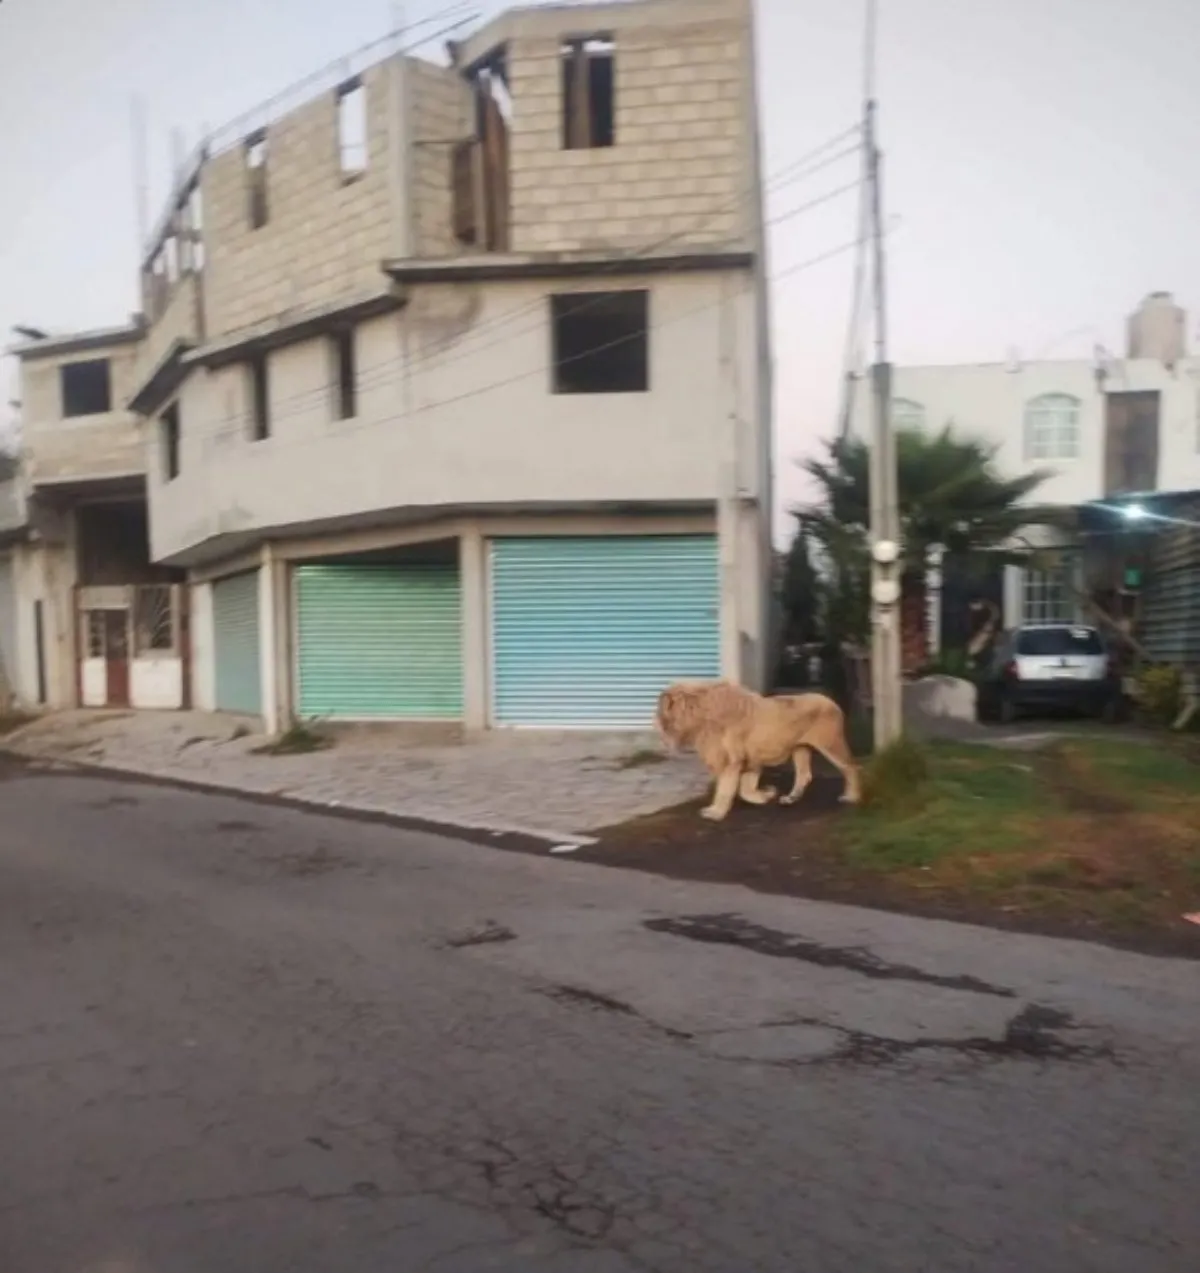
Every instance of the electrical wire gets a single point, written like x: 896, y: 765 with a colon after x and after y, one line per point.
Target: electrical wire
x: 542, y: 369
x: 800, y: 169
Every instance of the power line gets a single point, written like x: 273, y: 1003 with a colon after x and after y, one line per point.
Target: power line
x: 504, y: 325
x: 540, y: 370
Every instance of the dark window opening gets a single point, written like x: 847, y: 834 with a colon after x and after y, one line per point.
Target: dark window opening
x: 479, y: 166
x: 346, y: 375
x: 352, y: 128
x: 256, y: 179
x: 463, y: 162
x: 601, y: 342
x: 589, y: 93
x: 169, y: 428
x: 260, y: 400
x: 86, y: 387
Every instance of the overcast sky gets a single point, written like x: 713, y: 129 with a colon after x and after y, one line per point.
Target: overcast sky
x: 1041, y: 158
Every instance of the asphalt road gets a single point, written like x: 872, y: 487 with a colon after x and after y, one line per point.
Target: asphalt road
x: 244, y: 1039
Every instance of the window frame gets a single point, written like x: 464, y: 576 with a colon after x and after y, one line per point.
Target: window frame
x: 348, y: 152
x: 1051, y: 427
x: 258, y: 203
x: 343, y: 352
x: 258, y: 375
x: 560, y: 306
x: 170, y: 435
x: 65, y: 367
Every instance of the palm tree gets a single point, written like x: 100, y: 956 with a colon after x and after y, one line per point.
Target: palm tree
x: 951, y: 495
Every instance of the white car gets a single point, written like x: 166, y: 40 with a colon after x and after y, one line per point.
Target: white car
x: 1050, y: 667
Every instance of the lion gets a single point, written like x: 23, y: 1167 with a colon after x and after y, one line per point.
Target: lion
x: 738, y: 733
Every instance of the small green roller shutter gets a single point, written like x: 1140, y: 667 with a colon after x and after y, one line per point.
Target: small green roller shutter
x: 236, y: 644
x: 8, y: 629
x: 379, y: 642
x: 587, y: 631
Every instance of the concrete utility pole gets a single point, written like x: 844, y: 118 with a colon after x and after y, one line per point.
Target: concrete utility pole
x: 886, y: 691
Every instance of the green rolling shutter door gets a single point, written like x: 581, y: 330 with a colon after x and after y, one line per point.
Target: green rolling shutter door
x: 236, y: 644
x: 379, y: 642
x: 587, y: 631
x: 8, y: 628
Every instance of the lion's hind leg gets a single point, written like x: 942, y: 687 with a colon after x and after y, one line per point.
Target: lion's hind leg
x: 838, y: 754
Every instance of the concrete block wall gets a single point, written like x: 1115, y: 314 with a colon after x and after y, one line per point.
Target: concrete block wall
x: 83, y: 446
x: 681, y: 165
x: 440, y: 110
x: 325, y: 235
x: 180, y: 320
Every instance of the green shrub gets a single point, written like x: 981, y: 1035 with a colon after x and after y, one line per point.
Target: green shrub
x: 1160, y: 694
x: 897, y: 777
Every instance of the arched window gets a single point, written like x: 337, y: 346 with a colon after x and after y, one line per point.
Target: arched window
x: 1052, y: 427
x: 907, y: 415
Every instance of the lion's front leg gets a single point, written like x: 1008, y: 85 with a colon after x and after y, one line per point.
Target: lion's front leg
x: 751, y: 792
x: 722, y: 801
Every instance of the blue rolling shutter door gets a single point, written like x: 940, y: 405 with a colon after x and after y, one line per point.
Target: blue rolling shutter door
x: 379, y: 642
x: 587, y: 631
x: 236, y: 644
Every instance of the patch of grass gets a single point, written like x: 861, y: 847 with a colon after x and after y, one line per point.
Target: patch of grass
x: 640, y: 758
x: 1135, y: 768
x: 297, y: 740
x: 1103, y: 829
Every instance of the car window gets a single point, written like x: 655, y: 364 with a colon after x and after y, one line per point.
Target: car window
x: 1059, y: 642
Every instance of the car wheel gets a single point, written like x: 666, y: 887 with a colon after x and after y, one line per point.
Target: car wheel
x: 1008, y: 710
x: 1110, y: 713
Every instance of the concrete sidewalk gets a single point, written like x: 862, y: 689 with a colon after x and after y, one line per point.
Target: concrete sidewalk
x: 559, y: 786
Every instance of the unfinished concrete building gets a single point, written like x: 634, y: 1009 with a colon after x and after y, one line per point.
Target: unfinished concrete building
x: 457, y: 383
x: 85, y: 617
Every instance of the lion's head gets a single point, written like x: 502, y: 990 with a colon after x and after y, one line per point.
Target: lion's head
x: 684, y: 709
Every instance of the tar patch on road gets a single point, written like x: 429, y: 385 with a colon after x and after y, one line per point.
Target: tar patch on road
x: 1034, y: 1034
x: 732, y: 930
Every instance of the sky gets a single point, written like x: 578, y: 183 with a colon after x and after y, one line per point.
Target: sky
x: 1040, y: 164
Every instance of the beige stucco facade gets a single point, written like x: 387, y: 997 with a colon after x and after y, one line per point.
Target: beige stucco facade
x: 455, y: 410
x: 59, y: 448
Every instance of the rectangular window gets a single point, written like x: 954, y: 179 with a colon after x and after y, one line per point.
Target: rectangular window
x: 345, y: 375
x: 256, y: 179
x: 169, y: 429
x: 601, y: 342
x: 86, y: 387
x: 589, y: 92
x: 352, y: 128
x: 463, y: 161
x: 1048, y: 597
x: 1058, y: 643
x: 260, y: 399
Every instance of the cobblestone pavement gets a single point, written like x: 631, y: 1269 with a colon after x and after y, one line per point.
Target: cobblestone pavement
x: 247, y: 1038
x: 560, y: 783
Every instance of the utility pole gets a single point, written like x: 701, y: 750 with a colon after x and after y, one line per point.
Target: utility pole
x: 886, y: 693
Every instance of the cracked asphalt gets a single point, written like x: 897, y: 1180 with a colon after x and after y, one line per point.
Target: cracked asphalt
x: 251, y: 1039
